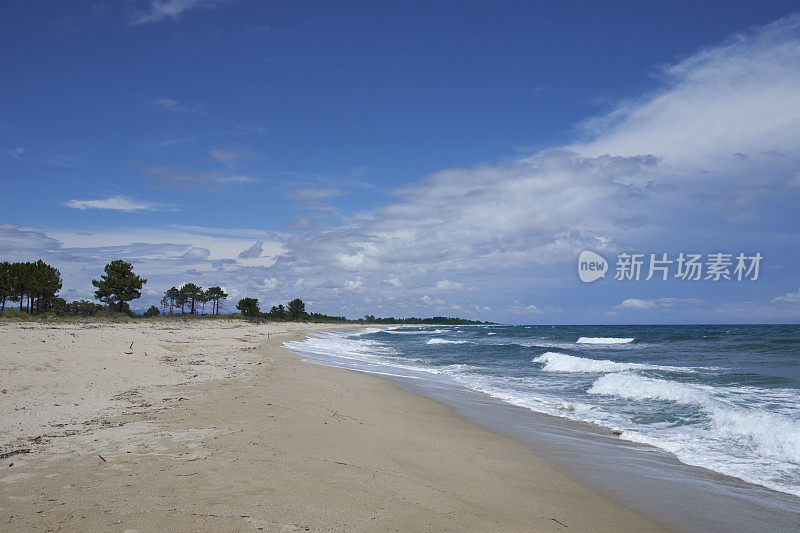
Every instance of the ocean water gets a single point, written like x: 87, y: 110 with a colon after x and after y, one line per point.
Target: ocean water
x: 725, y: 398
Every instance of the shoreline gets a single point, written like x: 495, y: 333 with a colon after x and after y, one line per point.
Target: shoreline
x: 310, y: 446
x: 640, y: 476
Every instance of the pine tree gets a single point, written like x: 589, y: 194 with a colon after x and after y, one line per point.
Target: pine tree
x: 118, y: 286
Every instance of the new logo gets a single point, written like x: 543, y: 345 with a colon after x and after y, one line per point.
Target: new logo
x: 591, y: 266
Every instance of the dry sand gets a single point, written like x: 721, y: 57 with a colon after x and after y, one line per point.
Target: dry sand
x: 212, y: 425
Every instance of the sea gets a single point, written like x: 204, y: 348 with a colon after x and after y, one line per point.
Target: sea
x: 718, y: 406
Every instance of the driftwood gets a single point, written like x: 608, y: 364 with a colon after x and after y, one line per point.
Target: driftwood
x: 12, y: 453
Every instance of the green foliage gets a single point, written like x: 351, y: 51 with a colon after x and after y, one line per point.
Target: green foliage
x: 444, y: 320
x: 215, y: 295
x: 277, y: 312
x: 85, y: 308
x: 6, y: 286
x: 191, y: 293
x: 33, y: 285
x: 173, y: 298
x: 15, y: 314
x: 151, y: 311
x: 248, y: 307
x: 297, y: 309
x: 118, y: 286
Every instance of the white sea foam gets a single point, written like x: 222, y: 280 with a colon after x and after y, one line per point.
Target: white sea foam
x: 604, y: 340
x: 561, y: 362
x: 341, y: 346
x: 634, y: 387
x: 752, y: 443
x: 366, y: 331
x: 437, y: 340
x: 535, y: 343
x: 491, y: 333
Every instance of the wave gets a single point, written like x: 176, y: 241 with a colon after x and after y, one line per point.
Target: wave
x: 604, y: 340
x: 366, y: 331
x: 755, y: 431
x: 535, y: 343
x: 491, y: 333
x: 561, y: 362
x: 437, y: 340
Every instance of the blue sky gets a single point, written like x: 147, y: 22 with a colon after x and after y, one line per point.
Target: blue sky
x: 412, y: 158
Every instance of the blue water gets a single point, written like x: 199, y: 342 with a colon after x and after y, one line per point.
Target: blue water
x: 726, y: 398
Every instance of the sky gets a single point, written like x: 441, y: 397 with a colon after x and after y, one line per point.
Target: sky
x: 410, y: 158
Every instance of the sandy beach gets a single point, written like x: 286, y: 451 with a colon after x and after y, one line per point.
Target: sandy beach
x: 194, y: 425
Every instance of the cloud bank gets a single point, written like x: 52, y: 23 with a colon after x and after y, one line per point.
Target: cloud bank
x: 714, y: 147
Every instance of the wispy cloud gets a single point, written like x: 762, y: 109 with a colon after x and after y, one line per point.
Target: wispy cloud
x: 520, y: 309
x: 172, y: 177
x: 447, y: 285
x: 788, y: 298
x: 637, y: 304
x: 316, y: 199
x: 315, y: 194
x: 230, y: 155
x: 17, y: 152
x: 115, y: 203
x: 160, y: 10
x: 171, y: 104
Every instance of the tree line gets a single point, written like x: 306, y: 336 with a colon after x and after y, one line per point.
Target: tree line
x: 35, y: 287
x: 294, y: 310
x: 193, y: 296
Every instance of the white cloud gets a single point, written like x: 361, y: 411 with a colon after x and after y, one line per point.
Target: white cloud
x: 789, y: 297
x: 171, y: 177
x: 520, y: 309
x: 322, y: 193
x: 637, y: 304
x: 625, y: 187
x: 432, y: 302
x: 447, y: 285
x: 353, y: 284
x: 230, y: 155
x: 739, y: 97
x: 114, y: 203
x: 174, y: 105
x: 649, y: 171
x: 316, y: 199
x: 159, y: 10
x: 253, y: 252
x: 196, y: 253
x: 17, y: 152
x: 16, y: 239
